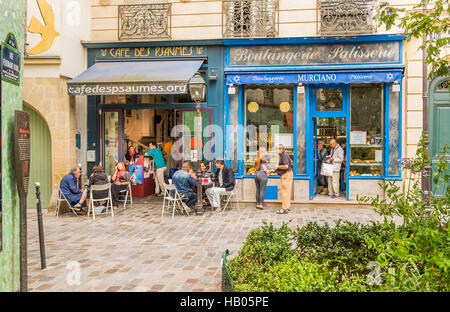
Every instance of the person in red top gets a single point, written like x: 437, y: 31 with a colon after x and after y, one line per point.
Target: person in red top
x: 131, y: 156
x: 120, y: 179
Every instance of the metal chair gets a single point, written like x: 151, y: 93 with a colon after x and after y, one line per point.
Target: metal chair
x: 128, y: 194
x: 62, y: 198
x: 227, y: 197
x: 175, y: 201
x: 97, y: 188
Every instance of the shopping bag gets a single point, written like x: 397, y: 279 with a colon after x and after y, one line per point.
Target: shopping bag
x: 327, y: 170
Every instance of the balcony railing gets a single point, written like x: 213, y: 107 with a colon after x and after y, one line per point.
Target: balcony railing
x: 145, y: 21
x: 343, y: 17
x: 250, y: 18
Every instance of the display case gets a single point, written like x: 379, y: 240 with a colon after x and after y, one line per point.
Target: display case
x: 366, y: 139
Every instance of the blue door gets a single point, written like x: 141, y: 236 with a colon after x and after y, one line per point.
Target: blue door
x: 329, y: 107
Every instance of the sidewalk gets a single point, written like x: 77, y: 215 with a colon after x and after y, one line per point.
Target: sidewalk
x: 138, y: 250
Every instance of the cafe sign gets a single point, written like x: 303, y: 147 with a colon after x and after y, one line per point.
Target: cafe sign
x: 315, y: 54
x: 152, y: 52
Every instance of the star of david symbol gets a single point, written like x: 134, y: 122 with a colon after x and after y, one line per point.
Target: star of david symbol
x: 390, y: 76
x: 236, y: 79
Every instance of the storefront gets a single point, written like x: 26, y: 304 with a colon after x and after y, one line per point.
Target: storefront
x: 138, y: 93
x: 298, y: 91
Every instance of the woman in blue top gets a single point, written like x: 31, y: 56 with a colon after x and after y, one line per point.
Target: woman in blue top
x: 160, y: 166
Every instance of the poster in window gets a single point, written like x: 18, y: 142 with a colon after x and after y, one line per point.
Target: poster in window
x: 358, y: 137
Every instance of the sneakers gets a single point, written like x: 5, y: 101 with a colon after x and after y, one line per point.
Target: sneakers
x: 283, y: 211
x: 333, y: 196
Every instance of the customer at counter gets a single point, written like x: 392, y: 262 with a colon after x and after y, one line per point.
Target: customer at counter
x: 160, y: 165
x: 130, y: 156
x: 120, y: 179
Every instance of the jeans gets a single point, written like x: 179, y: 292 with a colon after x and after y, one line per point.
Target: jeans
x: 192, y: 198
x: 261, y: 183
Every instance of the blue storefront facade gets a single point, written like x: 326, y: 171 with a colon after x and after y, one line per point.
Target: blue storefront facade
x: 298, y: 91
x: 264, y: 92
x: 110, y: 113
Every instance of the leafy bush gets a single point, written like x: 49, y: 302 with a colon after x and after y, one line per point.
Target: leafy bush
x: 414, y: 256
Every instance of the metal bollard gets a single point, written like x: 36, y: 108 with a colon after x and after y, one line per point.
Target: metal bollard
x: 40, y: 225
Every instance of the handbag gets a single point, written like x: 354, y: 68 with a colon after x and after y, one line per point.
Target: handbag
x: 327, y: 170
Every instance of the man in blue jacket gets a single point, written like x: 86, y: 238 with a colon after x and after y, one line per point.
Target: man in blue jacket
x: 224, y: 182
x: 75, y: 196
x: 184, y: 183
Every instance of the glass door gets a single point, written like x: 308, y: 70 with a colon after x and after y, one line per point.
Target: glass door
x: 112, y: 138
x: 315, y: 166
x: 187, y: 118
x: 329, y: 106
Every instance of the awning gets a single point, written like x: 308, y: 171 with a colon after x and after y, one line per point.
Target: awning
x: 126, y: 77
x: 319, y: 77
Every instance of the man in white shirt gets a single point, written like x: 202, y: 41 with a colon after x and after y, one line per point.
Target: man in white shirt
x: 336, y: 158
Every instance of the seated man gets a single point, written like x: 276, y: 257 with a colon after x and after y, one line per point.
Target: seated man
x: 75, y: 196
x: 184, y: 183
x: 224, y: 182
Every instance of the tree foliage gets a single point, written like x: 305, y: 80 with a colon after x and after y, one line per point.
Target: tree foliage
x: 433, y: 24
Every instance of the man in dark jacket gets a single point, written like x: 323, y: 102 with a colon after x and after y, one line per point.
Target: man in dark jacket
x: 224, y: 182
x: 68, y: 186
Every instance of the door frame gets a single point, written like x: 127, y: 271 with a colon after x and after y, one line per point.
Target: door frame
x: 203, y: 109
x: 344, y: 113
x: 101, y: 137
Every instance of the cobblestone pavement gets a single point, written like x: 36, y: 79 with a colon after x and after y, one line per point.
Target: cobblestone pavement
x: 139, y: 250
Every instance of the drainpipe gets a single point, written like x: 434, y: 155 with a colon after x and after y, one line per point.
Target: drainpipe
x: 426, y: 175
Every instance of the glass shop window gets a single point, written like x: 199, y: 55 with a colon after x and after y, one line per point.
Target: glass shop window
x: 329, y: 100
x: 269, y: 121
x: 366, y: 136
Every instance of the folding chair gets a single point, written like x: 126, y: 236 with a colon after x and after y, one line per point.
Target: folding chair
x: 127, y: 193
x: 227, y: 197
x: 62, y: 198
x: 108, y: 199
x: 175, y: 201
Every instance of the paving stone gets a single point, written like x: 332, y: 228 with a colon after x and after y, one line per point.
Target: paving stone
x: 139, y: 250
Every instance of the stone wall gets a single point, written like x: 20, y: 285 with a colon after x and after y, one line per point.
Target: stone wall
x: 49, y: 97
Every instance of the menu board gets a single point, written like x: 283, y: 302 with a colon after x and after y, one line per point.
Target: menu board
x: 22, y: 151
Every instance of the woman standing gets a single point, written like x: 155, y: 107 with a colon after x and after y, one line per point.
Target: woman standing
x: 261, y: 177
x: 121, y: 179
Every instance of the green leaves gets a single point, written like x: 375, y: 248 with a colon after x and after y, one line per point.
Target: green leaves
x: 433, y: 24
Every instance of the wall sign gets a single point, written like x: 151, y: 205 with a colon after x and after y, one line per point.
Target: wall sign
x: 315, y: 54
x: 11, y: 61
x: 152, y: 52
x: 22, y: 151
x: 375, y: 76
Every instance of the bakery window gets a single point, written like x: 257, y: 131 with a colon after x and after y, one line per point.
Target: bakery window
x: 366, y: 135
x: 269, y: 121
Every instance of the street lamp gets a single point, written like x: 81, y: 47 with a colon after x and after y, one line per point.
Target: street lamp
x: 197, y: 89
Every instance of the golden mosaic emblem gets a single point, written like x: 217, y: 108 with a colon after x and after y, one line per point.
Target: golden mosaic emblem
x: 285, y: 107
x: 253, y: 107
